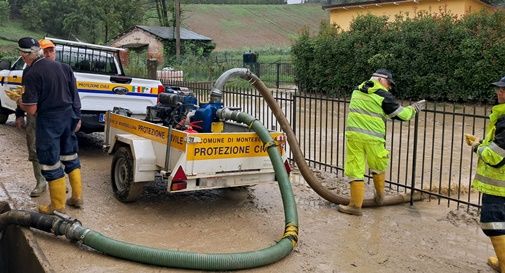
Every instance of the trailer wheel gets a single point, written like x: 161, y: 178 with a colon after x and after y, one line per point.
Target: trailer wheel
x: 125, y: 190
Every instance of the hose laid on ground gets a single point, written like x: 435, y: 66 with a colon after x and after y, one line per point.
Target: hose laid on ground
x: 308, y: 175
x: 73, y: 230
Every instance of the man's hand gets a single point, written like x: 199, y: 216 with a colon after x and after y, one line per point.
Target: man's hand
x: 78, y: 126
x: 472, y: 140
x: 20, y: 122
x: 419, y: 105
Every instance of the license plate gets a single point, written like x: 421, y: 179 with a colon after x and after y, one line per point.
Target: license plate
x: 101, y: 117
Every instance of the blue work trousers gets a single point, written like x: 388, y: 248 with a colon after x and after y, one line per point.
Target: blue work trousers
x: 57, y: 143
x: 492, y: 215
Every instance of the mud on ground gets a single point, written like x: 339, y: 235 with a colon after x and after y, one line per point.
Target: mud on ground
x: 426, y: 237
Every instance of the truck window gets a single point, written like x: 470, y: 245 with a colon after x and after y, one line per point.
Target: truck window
x: 19, y: 64
x: 87, y: 60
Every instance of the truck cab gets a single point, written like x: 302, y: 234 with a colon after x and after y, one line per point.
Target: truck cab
x: 101, y: 83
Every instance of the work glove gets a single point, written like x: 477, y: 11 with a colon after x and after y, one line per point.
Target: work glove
x: 15, y: 94
x: 472, y: 140
x: 419, y: 105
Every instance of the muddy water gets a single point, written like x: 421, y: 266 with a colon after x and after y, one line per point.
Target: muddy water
x: 424, y: 238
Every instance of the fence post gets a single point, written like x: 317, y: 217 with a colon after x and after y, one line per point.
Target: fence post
x: 277, y: 75
x: 293, y: 119
x: 414, y: 159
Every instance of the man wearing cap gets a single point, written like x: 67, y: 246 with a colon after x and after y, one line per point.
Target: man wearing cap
x: 40, y: 187
x: 490, y: 177
x: 49, y: 88
x: 371, y: 105
x: 49, y: 52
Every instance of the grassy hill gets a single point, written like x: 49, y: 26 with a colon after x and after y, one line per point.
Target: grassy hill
x: 252, y: 26
x: 10, y: 32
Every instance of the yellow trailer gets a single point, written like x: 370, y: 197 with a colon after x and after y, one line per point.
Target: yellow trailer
x: 184, y: 160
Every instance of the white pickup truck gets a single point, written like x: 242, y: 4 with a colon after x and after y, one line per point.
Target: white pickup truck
x: 101, y: 83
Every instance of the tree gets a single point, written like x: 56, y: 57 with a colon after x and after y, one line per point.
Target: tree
x: 16, y: 6
x: 4, y: 11
x: 90, y: 20
x: 171, y: 9
x: 109, y: 17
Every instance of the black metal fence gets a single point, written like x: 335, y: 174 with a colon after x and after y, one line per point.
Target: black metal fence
x: 427, y: 154
x: 275, y: 74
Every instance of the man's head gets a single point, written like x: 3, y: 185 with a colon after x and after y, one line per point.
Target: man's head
x: 29, y: 49
x: 48, y: 48
x: 500, y: 90
x: 385, y: 77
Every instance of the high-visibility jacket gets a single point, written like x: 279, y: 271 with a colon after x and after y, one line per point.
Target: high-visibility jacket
x: 490, y: 177
x: 371, y: 105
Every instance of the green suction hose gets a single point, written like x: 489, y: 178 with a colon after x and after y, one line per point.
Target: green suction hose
x: 233, y: 261
x: 64, y: 225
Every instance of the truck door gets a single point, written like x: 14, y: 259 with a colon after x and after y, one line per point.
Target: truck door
x: 11, y: 79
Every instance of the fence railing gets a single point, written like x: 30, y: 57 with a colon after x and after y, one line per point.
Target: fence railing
x: 427, y: 154
x: 277, y: 74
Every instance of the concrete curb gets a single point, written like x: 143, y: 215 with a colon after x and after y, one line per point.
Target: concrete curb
x: 19, y: 249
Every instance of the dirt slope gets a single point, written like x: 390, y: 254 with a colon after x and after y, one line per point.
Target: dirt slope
x: 252, y: 26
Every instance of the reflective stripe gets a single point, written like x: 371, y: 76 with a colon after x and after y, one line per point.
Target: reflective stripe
x: 490, y: 181
x: 50, y: 167
x: 365, y: 112
x: 493, y: 226
x: 366, y: 132
x: 376, y: 171
x: 497, y: 149
x: 68, y: 157
x: 480, y: 149
x: 396, y: 112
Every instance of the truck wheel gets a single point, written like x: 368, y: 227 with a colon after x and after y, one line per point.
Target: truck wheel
x: 3, y: 117
x: 123, y: 186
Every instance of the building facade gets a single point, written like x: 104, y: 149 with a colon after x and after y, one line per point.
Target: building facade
x: 343, y: 12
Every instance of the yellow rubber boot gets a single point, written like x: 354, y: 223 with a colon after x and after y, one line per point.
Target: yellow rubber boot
x: 57, y: 194
x: 499, y: 249
x: 76, y: 183
x: 357, y: 196
x: 378, y: 181
x: 493, y: 263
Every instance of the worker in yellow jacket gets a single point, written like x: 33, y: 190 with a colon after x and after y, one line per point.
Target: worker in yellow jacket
x: 490, y: 177
x: 371, y: 105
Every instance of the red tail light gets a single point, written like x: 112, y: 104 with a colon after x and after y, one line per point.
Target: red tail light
x: 177, y: 186
x: 179, y: 180
x: 180, y: 175
x: 287, y: 166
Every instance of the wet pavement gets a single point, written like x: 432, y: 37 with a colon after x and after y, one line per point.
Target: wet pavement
x: 426, y: 237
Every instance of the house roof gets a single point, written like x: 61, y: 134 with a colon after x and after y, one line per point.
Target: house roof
x: 350, y: 3
x: 167, y: 33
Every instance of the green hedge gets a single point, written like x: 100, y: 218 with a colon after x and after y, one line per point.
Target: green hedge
x: 434, y: 57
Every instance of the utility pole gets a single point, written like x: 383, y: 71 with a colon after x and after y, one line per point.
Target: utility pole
x: 177, y: 28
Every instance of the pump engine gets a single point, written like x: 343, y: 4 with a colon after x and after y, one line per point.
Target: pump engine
x: 173, y: 109
x: 178, y: 108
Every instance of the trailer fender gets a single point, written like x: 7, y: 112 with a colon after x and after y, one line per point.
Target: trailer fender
x: 144, y: 158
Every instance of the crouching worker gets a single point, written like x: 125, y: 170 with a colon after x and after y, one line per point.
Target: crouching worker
x: 489, y: 178
x: 49, y: 95
x: 371, y: 105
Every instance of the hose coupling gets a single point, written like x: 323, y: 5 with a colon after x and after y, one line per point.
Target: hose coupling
x: 68, y: 226
x: 291, y: 233
x: 216, y: 95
